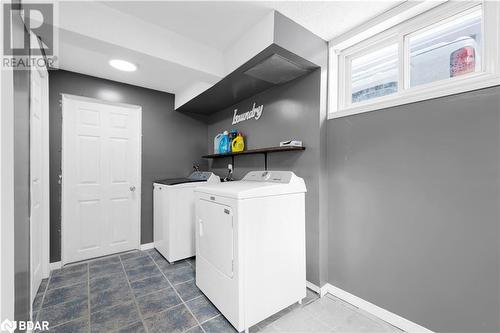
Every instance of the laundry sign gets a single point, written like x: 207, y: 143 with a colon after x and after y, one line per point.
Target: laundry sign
x: 255, y: 113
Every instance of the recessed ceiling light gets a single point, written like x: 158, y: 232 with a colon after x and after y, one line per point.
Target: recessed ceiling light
x: 123, y: 65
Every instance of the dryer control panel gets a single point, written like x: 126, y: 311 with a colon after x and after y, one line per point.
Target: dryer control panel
x: 200, y: 175
x: 284, y: 177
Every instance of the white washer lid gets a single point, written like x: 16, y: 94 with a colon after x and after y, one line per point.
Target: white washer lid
x: 262, y: 184
x: 195, y: 179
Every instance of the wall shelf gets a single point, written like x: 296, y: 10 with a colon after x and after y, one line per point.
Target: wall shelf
x: 264, y: 151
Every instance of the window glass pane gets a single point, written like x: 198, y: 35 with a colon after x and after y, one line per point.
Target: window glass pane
x: 374, y: 74
x: 447, y: 50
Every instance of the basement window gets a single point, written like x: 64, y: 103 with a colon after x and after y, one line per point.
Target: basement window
x: 374, y: 74
x: 448, y: 49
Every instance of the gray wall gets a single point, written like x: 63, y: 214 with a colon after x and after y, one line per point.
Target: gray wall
x: 21, y: 186
x: 171, y: 141
x: 291, y: 111
x: 295, y: 38
x: 414, y: 219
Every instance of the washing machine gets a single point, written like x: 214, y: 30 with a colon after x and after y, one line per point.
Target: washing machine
x: 173, y: 214
x: 250, y: 245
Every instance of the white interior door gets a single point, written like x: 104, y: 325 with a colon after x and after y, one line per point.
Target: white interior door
x: 101, y: 178
x: 39, y: 173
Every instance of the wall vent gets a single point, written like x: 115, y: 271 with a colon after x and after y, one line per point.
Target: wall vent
x: 276, y: 69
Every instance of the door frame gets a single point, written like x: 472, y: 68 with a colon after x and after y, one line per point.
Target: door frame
x: 137, y: 108
x: 45, y: 176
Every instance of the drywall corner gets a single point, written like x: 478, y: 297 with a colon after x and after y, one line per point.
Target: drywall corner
x: 7, y: 195
x: 251, y: 43
x: 297, y: 39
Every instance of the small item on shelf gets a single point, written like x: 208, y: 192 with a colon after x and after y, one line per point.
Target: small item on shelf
x: 217, y: 139
x: 232, y: 134
x: 225, y: 143
x: 238, y: 143
x: 291, y: 143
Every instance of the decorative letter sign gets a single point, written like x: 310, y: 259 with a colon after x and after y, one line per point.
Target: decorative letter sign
x: 255, y: 113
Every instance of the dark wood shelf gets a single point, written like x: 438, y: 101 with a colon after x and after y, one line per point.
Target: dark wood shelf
x: 255, y: 151
x: 264, y: 151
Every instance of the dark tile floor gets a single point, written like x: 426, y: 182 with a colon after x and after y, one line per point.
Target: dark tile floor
x: 136, y: 291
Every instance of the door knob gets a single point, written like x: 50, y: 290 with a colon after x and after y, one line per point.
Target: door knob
x: 132, y: 188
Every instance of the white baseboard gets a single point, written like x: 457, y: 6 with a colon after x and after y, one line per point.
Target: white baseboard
x: 321, y: 291
x: 375, y: 310
x: 55, y: 265
x: 313, y: 287
x: 147, y: 246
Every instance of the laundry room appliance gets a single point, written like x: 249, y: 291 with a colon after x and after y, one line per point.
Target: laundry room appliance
x: 250, y: 245
x: 173, y: 214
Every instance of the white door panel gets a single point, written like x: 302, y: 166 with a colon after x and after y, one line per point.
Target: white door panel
x: 101, y: 178
x: 216, y: 235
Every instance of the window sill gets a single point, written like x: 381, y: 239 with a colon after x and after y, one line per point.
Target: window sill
x: 417, y: 94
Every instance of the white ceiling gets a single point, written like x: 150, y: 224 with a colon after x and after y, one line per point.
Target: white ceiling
x: 89, y: 56
x: 210, y: 22
x: 218, y: 23
x: 180, y: 46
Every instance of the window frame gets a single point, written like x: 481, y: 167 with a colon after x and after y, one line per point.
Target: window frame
x: 342, y: 51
